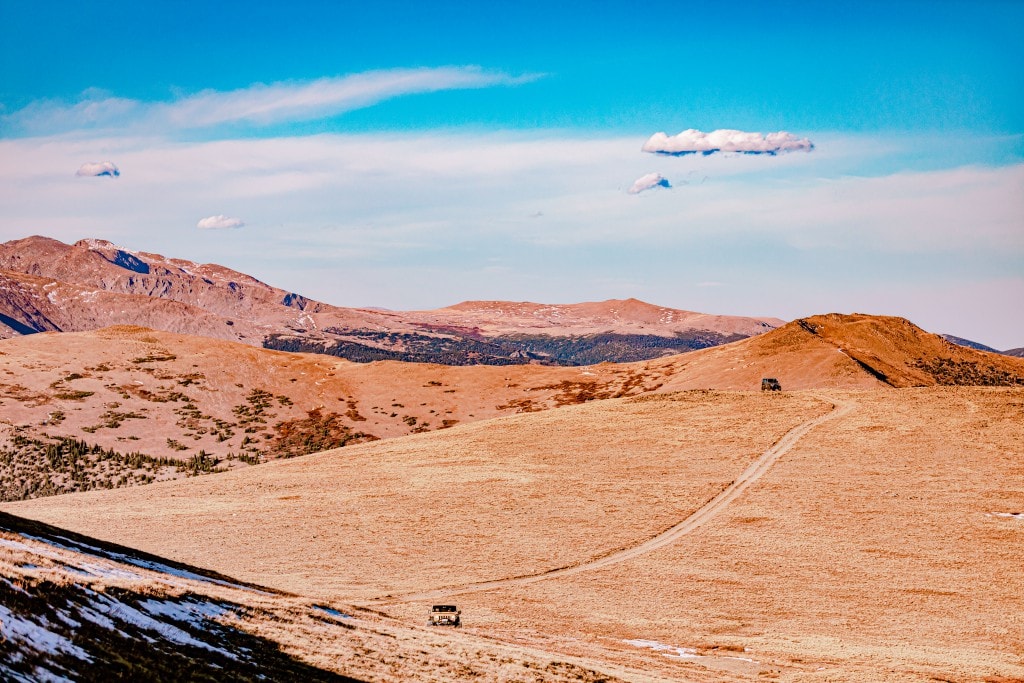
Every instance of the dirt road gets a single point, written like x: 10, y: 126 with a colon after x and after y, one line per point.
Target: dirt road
x: 700, y: 517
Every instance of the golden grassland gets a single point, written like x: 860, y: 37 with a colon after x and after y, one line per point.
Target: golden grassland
x: 484, y: 501
x: 872, y: 550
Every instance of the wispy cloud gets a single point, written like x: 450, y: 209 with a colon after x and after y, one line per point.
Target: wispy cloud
x: 257, y: 105
x: 648, y: 181
x: 693, y: 141
x: 98, y: 168
x: 219, y: 222
x: 265, y: 104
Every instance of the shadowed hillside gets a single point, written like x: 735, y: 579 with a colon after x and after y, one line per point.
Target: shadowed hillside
x: 960, y: 341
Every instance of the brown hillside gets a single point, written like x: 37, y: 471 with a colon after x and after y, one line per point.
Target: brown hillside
x: 903, y: 355
x: 101, y: 265
x: 225, y: 297
x: 798, y: 360
x: 34, y: 303
x: 838, y: 350
x: 204, y: 404
x: 166, y: 395
x: 78, y: 377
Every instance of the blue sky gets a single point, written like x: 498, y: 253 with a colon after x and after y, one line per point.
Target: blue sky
x: 413, y: 156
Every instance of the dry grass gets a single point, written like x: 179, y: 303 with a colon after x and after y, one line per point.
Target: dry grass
x: 471, y: 503
x: 867, y: 552
x: 165, y: 395
x: 130, y: 386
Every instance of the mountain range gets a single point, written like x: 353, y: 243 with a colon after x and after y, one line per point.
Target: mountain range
x: 47, y: 285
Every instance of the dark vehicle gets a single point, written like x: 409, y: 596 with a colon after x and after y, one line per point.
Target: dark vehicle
x: 770, y: 384
x: 445, y: 615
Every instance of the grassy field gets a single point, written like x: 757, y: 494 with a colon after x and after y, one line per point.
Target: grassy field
x: 879, y: 546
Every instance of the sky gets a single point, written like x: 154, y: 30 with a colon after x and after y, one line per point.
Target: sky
x: 748, y: 158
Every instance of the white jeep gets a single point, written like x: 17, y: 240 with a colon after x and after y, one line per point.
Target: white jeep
x: 445, y: 615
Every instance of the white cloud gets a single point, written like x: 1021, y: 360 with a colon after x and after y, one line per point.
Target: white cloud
x: 647, y: 182
x: 219, y: 222
x: 259, y: 104
x: 98, y: 168
x: 693, y: 141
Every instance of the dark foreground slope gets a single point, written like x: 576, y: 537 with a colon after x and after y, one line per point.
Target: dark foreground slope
x: 72, y: 607
x: 76, y: 608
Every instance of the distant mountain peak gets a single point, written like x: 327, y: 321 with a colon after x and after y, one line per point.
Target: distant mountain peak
x: 960, y: 341
x: 96, y: 244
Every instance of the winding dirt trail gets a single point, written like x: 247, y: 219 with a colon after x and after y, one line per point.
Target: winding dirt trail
x: 700, y: 517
